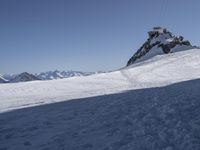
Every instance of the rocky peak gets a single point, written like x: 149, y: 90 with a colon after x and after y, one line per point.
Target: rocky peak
x: 160, y: 41
x: 2, y: 80
x: 23, y: 77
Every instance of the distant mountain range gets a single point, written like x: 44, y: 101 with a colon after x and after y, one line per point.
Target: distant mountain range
x: 49, y: 75
x: 24, y: 77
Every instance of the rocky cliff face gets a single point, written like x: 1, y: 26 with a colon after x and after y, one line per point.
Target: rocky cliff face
x: 160, y: 41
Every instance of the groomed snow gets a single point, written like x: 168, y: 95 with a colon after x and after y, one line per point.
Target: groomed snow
x: 159, y: 71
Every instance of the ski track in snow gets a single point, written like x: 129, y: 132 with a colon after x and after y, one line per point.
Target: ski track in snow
x: 144, y: 106
x: 160, y: 71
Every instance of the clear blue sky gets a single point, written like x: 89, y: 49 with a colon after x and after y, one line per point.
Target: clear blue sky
x: 86, y: 35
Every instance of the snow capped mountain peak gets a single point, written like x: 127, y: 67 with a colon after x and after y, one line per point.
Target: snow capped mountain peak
x: 23, y: 77
x: 2, y: 80
x: 48, y: 75
x: 160, y: 41
x: 51, y: 75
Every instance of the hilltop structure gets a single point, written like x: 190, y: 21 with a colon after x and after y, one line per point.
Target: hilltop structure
x: 160, y: 41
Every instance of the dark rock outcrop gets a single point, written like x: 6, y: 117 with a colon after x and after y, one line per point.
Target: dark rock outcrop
x: 160, y: 41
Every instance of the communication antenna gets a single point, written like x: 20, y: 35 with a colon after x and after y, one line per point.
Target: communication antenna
x: 163, y: 10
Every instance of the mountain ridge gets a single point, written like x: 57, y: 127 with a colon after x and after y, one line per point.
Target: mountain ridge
x: 160, y: 41
x: 49, y: 75
x: 24, y: 77
x: 2, y: 79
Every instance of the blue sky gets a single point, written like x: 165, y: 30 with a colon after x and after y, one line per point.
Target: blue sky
x: 86, y: 35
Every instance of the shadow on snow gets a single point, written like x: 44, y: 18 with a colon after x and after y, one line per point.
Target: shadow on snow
x: 156, y: 118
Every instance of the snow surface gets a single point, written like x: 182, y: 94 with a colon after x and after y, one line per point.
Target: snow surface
x: 160, y: 71
x: 144, y: 106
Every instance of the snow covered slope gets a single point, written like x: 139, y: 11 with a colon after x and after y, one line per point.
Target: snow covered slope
x: 151, y: 105
x: 165, y: 118
x: 159, y: 71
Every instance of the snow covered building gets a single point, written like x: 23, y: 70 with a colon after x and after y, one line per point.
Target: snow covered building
x: 156, y: 31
